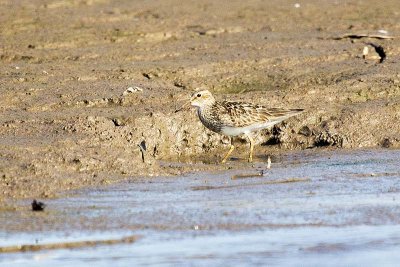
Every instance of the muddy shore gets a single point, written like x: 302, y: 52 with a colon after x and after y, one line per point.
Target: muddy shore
x: 66, y: 123
x: 339, y: 207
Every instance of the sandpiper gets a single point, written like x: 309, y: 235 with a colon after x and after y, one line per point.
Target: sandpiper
x: 236, y: 118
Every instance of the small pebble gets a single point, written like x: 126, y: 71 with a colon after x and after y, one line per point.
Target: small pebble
x: 37, y: 205
x: 132, y: 90
x: 365, y: 52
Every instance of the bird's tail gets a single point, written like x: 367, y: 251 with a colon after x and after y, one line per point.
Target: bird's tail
x: 283, y: 114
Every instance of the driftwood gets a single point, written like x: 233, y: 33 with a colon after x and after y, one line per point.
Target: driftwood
x: 282, y: 181
x: 247, y: 175
x: 67, y: 245
x: 362, y: 35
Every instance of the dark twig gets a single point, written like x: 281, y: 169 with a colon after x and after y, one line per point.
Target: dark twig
x: 142, y: 147
x: 379, y: 49
x: 359, y: 36
x: 247, y: 175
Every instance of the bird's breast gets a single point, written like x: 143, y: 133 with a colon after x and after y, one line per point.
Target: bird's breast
x: 209, y: 120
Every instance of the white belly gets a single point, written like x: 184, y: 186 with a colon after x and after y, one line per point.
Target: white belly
x: 233, y: 131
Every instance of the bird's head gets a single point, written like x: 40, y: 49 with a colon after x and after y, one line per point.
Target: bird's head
x: 202, y: 98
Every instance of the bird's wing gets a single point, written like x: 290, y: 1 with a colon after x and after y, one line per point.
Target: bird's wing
x: 240, y: 114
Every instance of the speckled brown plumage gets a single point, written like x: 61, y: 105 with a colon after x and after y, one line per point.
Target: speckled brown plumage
x: 240, y: 114
x: 235, y: 118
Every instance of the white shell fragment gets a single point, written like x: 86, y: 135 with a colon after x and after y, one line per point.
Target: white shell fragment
x: 365, y: 52
x: 131, y: 90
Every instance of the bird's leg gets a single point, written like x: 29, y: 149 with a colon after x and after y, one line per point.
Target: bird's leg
x: 232, y: 147
x: 251, y: 147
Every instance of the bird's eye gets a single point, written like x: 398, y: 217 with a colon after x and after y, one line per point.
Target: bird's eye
x: 198, y: 95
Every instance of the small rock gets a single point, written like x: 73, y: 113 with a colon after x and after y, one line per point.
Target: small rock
x: 179, y: 84
x: 236, y: 29
x: 386, y: 143
x: 131, y: 90
x: 91, y: 119
x: 214, y: 31
x: 147, y: 75
x: 305, y: 130
x: 328, y: 139
x: 142, y: 147
x: 37, y: 205
x: 118, y: 122
x: 365, y: 51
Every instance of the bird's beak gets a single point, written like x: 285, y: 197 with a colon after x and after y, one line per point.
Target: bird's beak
x: 183, y: 107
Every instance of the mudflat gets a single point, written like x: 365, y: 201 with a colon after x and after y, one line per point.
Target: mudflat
x: 67, y: 120
x: 340, y: 208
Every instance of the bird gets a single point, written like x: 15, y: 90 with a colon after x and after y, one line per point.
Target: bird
x: 236, y: 118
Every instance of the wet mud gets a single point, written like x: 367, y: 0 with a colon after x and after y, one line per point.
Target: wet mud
x: 333, y: 206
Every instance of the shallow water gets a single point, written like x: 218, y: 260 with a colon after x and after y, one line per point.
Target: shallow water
x: 316, y: 208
